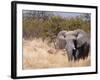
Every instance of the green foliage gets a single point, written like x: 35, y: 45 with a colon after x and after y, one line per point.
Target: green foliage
x: 49, y: 28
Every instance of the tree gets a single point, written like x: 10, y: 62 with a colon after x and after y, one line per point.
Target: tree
x: 40, y: 15
x: 86, y: 17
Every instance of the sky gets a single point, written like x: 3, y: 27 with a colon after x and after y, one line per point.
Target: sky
x: 67, y: 14
x: 62, y: 14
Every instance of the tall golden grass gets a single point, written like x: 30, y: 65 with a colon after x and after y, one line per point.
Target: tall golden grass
x: 39, y: 54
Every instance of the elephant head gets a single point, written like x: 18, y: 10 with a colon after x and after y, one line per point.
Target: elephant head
x: 65, y: 40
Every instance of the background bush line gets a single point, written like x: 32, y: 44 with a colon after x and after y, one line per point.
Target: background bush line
x: 47, y: 26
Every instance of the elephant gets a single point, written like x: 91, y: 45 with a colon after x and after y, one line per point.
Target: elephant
x: 75, y: 42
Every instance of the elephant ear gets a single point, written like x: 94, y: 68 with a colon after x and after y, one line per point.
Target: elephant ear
x: 61, y: 42
x: 81, y: 39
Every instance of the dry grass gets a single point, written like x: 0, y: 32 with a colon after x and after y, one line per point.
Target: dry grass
x: 39, y: 54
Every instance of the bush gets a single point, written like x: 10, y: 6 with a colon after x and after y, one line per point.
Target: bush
x: 49, y: 28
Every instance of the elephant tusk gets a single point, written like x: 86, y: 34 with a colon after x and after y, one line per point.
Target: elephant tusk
x: 74, y: 48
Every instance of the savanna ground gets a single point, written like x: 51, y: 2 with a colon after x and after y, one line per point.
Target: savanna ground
x: 39, y: 54
x: 40, y: 29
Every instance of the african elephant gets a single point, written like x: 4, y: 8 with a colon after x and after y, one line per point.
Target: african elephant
x: 76, y: 43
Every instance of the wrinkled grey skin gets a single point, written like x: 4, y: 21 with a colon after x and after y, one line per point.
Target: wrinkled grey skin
x: 65, y: 40
x: 70, y: 46
x: 76, y: 43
